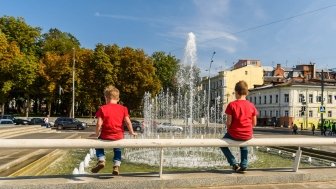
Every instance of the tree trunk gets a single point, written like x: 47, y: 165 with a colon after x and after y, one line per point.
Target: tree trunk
x: 2, y: 109
x: 49, y: 108
x: 27, y: 108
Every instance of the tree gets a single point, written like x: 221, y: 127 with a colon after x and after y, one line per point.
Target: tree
x: 16, y: 30
x: 166, y: 70
x: 137, y: 75
x: 56, y: 66
x: 58, y: 42
x: 21, y: 69
x: 7, y: 54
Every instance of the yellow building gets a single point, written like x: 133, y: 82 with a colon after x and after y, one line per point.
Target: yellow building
x: 222, y: 85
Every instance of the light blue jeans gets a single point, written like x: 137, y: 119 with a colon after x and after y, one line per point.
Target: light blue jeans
x: 231, y: 159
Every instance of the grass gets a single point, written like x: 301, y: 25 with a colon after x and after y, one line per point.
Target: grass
x: 67, y: 163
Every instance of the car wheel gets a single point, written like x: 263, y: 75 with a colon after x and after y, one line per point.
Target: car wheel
x: 160, y: 130
x: 138, y: 129
x: 59, y: 127
x: 179, y: 130
x: 78, y: 127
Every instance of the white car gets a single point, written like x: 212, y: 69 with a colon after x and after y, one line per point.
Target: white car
x: 167, y: 127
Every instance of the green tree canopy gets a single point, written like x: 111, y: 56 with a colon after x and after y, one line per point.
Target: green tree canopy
x: 16, y: 30
x: 166, y: 70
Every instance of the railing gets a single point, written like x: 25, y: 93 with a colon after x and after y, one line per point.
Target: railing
x: 165, y: 143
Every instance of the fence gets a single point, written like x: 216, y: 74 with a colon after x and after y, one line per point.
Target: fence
x: 165, y: 143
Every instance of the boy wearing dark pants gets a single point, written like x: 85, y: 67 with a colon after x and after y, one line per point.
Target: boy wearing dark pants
x: 111, y: 117
x: 241, y: 118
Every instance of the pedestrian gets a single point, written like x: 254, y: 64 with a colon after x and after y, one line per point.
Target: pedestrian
x: 333, y: 128
x: 313, y: 129
x: 46, y: 121
x: 301, y: 127
x: 324, y: 130
x: 241, y: 118
x: 109, y: 126
x: 295, y: 129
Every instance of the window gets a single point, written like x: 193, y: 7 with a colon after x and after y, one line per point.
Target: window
x: 301, y: 98
x: 255, y: 100
x: 286, y: 113
x: 271, y: 113
x: 276, y: 98
x: 260, y: 100
x: 270, y: 99
x: 318, y: 99
x: 265, y: 113
x: 329, y: 99
x: 265, y: 99
x: 286, y: 97
x: 310, y: 98
x: 276, y: 113
x: 310, y: 113
x: 329, y: 114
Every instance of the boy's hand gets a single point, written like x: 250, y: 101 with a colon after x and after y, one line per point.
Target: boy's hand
x: 132, y: 133
x: 93, y: 135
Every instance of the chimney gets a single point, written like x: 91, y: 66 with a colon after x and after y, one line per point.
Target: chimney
x: 278, y: 66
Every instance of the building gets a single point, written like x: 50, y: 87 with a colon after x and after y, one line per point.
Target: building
x: 222, y: 85
x: 294, y: 96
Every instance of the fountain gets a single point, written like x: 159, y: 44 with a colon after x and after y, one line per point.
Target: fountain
x: 187, y: 110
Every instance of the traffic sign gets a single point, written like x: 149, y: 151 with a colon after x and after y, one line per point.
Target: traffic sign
x: 322, y: 109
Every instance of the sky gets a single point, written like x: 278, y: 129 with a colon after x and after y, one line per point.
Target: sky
x: 286, y: 32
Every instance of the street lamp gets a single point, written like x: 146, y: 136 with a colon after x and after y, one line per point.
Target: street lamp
x: 213, y: 54
x: 73, y: 83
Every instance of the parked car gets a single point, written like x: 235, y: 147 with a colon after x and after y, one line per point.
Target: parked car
x: 11, y: 117
x: 19, y: 121
x: 37, y: 121
x: 66, y: 122
x: 167, y: 127
x: 137, y: 126
x: 6, y: 121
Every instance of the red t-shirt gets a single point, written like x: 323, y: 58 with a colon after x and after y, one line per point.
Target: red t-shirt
x: 113, y: 116
x: 242, y: 112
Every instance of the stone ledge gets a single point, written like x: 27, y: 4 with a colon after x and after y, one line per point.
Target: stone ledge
x: 201, y: 179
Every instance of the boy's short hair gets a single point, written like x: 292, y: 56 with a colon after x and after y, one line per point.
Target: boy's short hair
x: 111, y: 92
x: 241, y: 88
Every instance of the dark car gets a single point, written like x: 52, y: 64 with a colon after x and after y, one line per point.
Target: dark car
x: 66, y: 122
x: 137, y: 126
x: 19, y: 121
x: 37, y: 121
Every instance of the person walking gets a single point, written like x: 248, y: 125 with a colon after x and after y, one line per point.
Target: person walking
x: 46, y: 121
x: 109, y: 126
x: 241, y: 118
x: 313, y: 129
x: 295, y: 129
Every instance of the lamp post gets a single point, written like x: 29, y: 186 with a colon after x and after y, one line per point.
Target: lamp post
x: 208, y: 109
x: 73, y: 84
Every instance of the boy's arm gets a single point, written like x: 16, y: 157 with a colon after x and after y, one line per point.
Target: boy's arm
x: 129, y: 126
x: 254, y: 121
x: 98, y: 126
x: 228, y: 120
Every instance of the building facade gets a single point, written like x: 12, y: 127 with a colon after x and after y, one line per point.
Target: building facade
x: 222, y: 85
x: 294, y: 103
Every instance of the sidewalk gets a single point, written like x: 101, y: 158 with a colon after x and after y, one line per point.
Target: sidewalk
x: 255, y: 178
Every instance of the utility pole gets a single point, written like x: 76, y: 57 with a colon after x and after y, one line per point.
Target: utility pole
x: 322, y: 99
x: 209, y: 94
x: 73, y: 83
x: 307, y: 100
